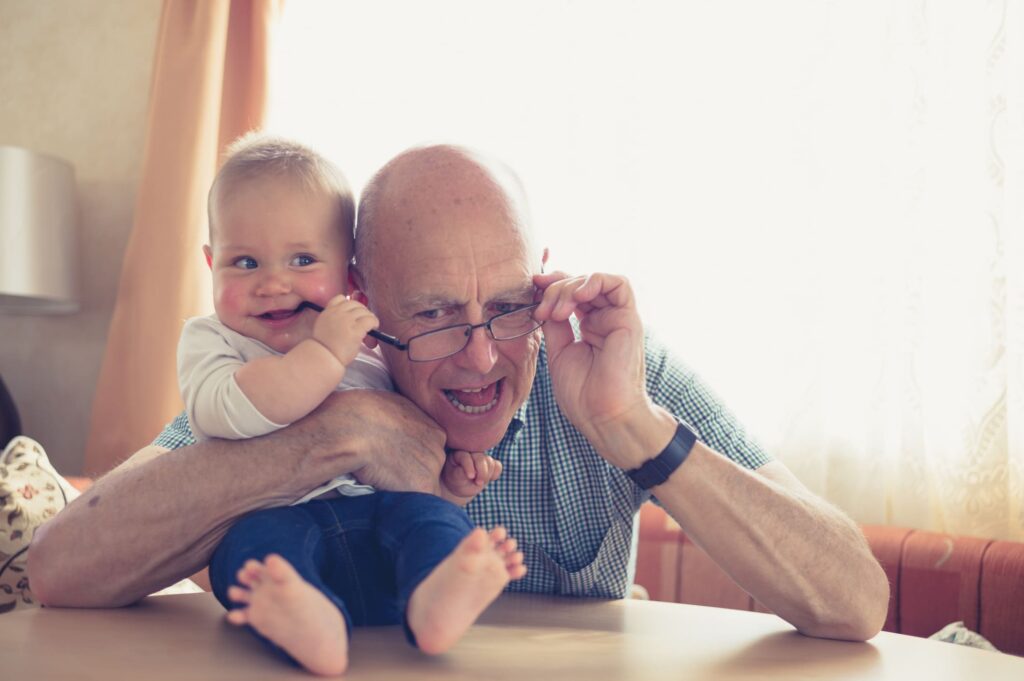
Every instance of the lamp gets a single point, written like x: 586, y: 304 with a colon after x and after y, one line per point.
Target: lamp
x: 38, y: 241
x: 38, y: 246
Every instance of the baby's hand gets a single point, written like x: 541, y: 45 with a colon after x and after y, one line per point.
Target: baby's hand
x: 342, y: 326
x: 465, y: 474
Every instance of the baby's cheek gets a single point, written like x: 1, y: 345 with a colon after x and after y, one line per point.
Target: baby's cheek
x: 323, y: 289
x: 230, y: 300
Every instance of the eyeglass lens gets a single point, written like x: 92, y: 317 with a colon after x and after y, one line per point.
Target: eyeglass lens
x: 445, y: 342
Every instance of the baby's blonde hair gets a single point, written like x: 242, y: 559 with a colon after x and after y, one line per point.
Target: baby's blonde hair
x: 257, y: 155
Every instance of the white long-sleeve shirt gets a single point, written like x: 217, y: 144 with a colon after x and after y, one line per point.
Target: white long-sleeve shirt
x: 209, y: 354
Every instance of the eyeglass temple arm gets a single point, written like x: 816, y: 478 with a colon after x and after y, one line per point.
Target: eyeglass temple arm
x: 379, y: 335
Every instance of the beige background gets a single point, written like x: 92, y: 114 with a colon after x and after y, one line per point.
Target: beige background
x: 74, y: 78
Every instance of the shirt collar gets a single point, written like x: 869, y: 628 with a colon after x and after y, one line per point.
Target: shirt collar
x: 518, y: 422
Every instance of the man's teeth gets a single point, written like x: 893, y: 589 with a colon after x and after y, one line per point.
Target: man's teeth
x: 467, y: 409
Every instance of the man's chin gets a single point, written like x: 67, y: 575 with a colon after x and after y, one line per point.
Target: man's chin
x: 474, y: 439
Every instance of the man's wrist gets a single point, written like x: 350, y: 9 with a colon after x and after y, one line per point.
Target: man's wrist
x: 656, y: 471
x: 634, y: 437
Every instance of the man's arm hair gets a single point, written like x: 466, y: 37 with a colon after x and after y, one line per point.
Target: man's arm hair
x: 158, y: 517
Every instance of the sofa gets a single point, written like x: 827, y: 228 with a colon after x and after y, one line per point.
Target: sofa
x: 934, y: 578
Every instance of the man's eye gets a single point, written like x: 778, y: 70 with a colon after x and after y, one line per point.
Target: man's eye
x: 303, y: 260
x: 245, y: 263
x: 504, y: 308
x: 433, y: 315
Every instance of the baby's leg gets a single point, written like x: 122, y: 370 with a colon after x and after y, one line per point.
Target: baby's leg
x: 267, y: 572
x: 450, y: 599
x: 289, y: 611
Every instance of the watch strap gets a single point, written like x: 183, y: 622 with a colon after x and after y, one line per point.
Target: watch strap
x: 657, y: 470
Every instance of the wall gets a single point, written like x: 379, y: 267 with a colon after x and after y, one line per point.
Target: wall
x: 74, y: 78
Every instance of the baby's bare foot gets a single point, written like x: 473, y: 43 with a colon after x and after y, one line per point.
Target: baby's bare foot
x: 450, y: 598
x: 292, y: 613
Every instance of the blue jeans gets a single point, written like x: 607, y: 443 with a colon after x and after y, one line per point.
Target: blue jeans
x: 367, y: 554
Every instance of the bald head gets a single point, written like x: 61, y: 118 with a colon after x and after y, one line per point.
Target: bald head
x: 419, y: 188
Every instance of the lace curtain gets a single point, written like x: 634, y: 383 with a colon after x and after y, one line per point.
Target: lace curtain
x: 820, y: 204
x: 906, y: 406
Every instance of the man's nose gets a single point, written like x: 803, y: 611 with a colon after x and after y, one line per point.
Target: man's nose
x: 274, y: 282
x: 481, y: 353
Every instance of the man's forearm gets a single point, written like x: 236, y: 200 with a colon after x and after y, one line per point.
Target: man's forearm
x: 157, y: 518
x: 790, y: 550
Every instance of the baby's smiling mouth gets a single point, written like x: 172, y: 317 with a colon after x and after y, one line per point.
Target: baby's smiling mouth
x: 275, y: 315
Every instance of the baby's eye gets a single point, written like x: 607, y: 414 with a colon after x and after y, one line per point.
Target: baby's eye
x: 303, y: 260
x: 246, y: 263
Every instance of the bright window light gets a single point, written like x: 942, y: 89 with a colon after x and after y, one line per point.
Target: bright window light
x: 789, y: 185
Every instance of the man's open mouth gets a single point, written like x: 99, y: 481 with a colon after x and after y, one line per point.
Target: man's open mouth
x: 475, y: 400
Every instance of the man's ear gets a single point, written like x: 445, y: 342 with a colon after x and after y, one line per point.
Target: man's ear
x: 356, y: 288
x: 208, y: 252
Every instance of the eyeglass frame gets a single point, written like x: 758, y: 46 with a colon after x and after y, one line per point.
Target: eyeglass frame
x: 404, y: 347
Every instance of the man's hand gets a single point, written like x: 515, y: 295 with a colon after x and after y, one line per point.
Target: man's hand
x: 599, y: 380
x: 465, y: 475
x: 398, y: 447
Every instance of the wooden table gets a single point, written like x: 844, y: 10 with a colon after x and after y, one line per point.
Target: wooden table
x: 526, y: 638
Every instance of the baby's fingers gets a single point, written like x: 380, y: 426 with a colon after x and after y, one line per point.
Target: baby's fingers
x: 488, y: 468
x: 464, y: 460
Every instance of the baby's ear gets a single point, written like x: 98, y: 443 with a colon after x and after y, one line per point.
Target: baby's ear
x: 208, y: 252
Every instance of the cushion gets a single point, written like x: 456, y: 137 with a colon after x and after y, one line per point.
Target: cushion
x: 938, y: 582
x: 1002, y: 596
x: 887, y: 545
x: 32, y: 492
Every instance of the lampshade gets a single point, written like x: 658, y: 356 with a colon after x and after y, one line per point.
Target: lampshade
x: 38, y: 238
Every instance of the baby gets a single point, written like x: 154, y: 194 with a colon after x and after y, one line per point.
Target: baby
x: 281, y: 225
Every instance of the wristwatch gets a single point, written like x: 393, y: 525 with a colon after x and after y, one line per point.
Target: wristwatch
x: 657, y: 470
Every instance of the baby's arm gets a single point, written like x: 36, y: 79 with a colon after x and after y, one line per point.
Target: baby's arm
x: 288, y: 387
x: 465, y: 475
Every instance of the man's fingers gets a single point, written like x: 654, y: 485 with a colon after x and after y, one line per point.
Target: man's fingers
x: 603, y: 290
x: 557, y: 337
x: 557, y: 303
x: 542, y: 281
x: 583, y: 294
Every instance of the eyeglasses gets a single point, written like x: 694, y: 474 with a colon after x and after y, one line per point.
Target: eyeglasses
x: 441, y: 343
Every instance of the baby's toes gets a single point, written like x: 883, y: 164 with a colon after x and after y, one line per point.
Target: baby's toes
x: 239, y: 616
x: 238, y: 594
x: 251, y: 574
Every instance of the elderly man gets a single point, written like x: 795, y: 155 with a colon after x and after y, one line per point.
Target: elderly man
x: 588, y: 427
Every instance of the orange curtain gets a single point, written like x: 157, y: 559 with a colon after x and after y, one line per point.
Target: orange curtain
x: 209, y: 86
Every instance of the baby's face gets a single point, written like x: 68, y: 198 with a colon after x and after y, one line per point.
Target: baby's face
x: 274, y: 246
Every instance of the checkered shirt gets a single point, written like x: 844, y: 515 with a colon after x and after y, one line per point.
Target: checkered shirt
x: 574, y: 514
